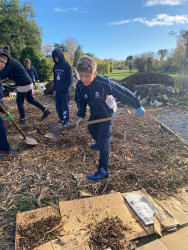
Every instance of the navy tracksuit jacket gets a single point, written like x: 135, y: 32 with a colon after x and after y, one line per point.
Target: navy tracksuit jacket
x: 32, y: 73
x: 62, y: 81
x: 99, y: 95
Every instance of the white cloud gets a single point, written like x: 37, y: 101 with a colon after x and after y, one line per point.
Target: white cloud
x: 164, y: 2
x: 75, y: 9
x: 120, y: 22
x: 160, y: 20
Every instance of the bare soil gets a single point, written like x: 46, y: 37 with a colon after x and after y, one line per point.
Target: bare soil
x: 143, y: 155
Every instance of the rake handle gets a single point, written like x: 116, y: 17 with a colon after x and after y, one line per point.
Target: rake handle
x: 13, y: 121
x: 151, y: 111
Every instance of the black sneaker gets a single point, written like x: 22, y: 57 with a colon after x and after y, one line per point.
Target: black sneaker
x: 46, y: 113
x: 22, y: 121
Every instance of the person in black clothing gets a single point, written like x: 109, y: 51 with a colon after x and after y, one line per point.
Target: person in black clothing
x: 15, y: 70
x: 62, y: 81
x: 99, y: 92
x: 4, y: 145
x: 31, y: 71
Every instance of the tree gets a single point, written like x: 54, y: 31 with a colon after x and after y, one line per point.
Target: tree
x: 17, y: 26
x: 129, y: 61
x: 140, y: 62
x: 180, y: 55
x: 42, y: 64
x: 186, y: 43
x: 149, y: 63
x: 61, y: 46
x: 71, y: 45
x: 162, y: 53
x: 47, y: 48
x: 77, y: 54
x: 68, y: 47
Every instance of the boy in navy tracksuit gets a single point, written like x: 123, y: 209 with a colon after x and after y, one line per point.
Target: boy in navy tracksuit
x: 99, y: 93
x: 62, y: 81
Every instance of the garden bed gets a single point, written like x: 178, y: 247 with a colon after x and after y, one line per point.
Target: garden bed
x: 143, y: 155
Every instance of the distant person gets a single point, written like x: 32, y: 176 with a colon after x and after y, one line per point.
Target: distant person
x: 31, y: 71
x: 62, y: 81
x: 99, y: 92
x: 4, y: 145
x: 15, y: 70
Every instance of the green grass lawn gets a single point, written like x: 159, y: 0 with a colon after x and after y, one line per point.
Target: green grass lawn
x: 119, y: 74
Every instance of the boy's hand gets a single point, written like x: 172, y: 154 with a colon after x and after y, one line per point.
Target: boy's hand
x: 9, y: 117
x: 140, y: 111
x: 54, y: 93
x: 79, y: 119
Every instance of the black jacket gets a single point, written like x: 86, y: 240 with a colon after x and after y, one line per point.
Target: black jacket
x: 15, y: 71
x: 62, y: 73
x: 95, y: 96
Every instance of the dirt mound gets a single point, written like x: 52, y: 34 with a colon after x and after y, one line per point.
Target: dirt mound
x: 147, y: 78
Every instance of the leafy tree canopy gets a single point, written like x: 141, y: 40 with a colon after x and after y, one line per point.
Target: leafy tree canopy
x: 17, y: 26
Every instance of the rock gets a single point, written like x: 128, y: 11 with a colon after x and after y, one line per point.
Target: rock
x: 49, y: 88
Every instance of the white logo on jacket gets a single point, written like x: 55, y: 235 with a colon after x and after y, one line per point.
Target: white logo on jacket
x: 86, y: 96
x: 96, y: 94
x: 58, y: 77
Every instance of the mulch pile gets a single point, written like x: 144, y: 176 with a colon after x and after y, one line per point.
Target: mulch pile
x: 149, y: 78
x: 143, y: 155
x: 109, y: 233
x: 38, y: 233
x: 146, y: 78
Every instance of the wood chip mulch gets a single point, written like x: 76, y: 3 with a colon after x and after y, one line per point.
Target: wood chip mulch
x: 142, y: 155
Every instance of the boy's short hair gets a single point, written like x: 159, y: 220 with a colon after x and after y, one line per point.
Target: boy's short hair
x: 27, y: 61
x: 87, y: 64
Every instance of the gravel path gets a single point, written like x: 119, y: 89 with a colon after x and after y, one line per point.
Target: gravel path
x: 176, y: 120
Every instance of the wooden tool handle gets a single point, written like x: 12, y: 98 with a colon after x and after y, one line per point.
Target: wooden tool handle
x: 118, y: 117
x: 13, y: 121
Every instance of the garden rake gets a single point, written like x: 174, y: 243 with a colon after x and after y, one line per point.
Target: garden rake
x: 56, y: 129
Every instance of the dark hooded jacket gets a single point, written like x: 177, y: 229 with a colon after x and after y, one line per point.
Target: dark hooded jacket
x: 95, y: 96
x: 62, y: 73
x: 15, y: 71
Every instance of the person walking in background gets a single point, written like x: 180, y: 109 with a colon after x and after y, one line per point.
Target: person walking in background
x: 99, y: 92
x: 62, y: 81
x: 31, y: 71
x: 15, y: 70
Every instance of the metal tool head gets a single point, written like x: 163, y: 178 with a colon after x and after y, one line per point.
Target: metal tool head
x: 53, y: 135
x: 55, y: 129
x: 31, y: 141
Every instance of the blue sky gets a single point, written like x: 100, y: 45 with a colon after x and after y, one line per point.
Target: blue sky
x: 113, y: 28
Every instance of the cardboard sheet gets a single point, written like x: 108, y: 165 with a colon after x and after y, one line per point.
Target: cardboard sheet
x: 174, y: 241
x: 79, y: 215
